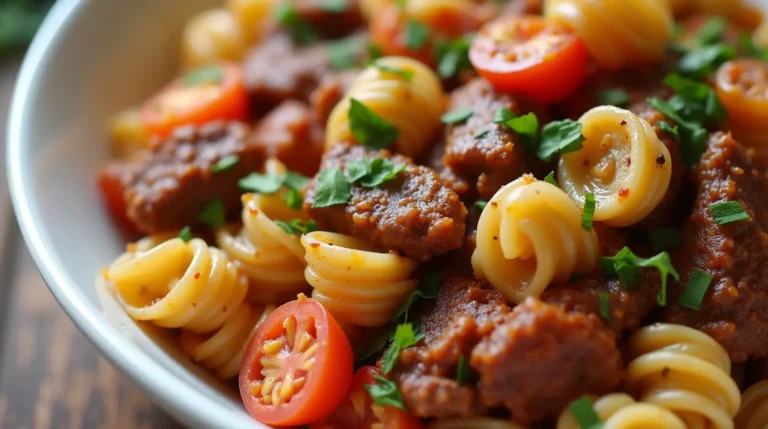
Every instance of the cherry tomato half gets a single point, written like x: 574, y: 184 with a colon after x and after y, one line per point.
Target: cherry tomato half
x: 358, y: 411
x: 197, y: 97
x: 297, y: 367
x: 526, y: 55
x: 112, y: 190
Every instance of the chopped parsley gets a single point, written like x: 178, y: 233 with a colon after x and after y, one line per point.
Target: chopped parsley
x: 293, y: 199
x: 462, y: 370
x: 374, y: 52
x: 750, y: 49
x: 416, y: 35
x: 503, y: 115
x: 344, y: 53
x: 335, y: 6
x: 332, y: 188
x: 185, y: 234
x: 589, y: 211
x: 290, y: 19
x: 712, y: 32
x: 605, y: 311
x: 225, y: 163
x: 457, y: 116
x: 695, y: 290
x: 481, y: 133
x: 726, y: 212
x: 626, y: 266
x: 213, y: 214
x: 429, y: 284
x: 702, y: 62
x: 526, y: 125
x: 585, y: 414
x: 378, y: 342
x: 295, y: 180
x: 261, y: 183
x: 405, y: 74
x: 453, y: 57
x: 613, y: 97
x: 405, y: 336
x: 480, y: 204
x: 665, y: 239
x: 297, y: 226
x: 551, y: 179
x: 371, y: 173
x: 208, y: 74
x: 385, y: 393
x: 370, y: 129
x: 560, y: 137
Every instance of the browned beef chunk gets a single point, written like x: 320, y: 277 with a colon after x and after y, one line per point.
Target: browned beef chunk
x: 292, y: 134
x: 465, y: 311
x: 170, y: 187
x: 542, y: 358
x: 330, y: 91
x: 735, y: 309
x: 278, y: 70
x: 415, y: 214
x: 523, y: 7
x: 331, y: 23
x: 493, y: 158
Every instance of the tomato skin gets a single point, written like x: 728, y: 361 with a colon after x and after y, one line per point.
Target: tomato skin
x: 549, y: 63
x: 327, y: 380
x: 346, y: 415
x: 227, y: 99
x: 111, y: 189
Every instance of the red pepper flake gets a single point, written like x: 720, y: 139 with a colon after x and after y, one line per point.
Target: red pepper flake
x: 494, y: 203
x: 197, y: 276
x: 661, y: 160
x: 623, y: 123
x: 314, y: 244
x: 629, y: 161
x: 623, y: 192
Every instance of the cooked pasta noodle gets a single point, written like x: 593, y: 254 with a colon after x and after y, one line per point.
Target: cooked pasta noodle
x: 355, y: 283
x: 412, y: 105
x: 529, y: 236
x: 251, y: 15
x: 617, y: 33
x: 620, y: 411
x: 128, y: 134
x: 623, y: 163
x: 371, y: 8
x: 741, y: 87
x: 754, y: 407
x: 738, y: 11
x: 272, y: 259
x: 473, y: 423
x: 685, y: 371
x: 188, y: 285
x: 212, y: 36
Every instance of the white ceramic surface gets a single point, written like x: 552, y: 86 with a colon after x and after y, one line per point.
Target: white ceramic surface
x: 90, y: 59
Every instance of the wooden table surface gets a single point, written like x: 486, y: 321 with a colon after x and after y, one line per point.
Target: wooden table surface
x: 50, y: 375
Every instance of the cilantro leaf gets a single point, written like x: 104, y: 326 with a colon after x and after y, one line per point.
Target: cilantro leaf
x: 225, y: 163
x: 185, y: 234
x: 405, y: 337
x: 702, y: 62
x: 457, y: 116
x: 429, y: 284
x: 626, y: 265
x: 504, y: 115
x: 551, y: 179
x: 344, y: 53
x: 481, y: 205
x: 712, y: 32
x: 613, y: 97
x: 332, y: 188
x: 213, y: 214
x: 290, y: 19
x: 261, y: 183
x: 334, y: 6
x: 560, y: 137
x: 405, y: 74
x: 295, y: 180
x: 370, y: 129
x: 416, y: 35
x: 453, y: 57
x: 380, y: 170
x: 297, y: 226
x: 385, y: 393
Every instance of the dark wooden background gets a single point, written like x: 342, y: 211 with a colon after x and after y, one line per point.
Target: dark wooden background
x: 50, y: 375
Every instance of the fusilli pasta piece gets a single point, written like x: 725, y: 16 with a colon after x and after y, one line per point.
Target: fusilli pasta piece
x: 742, y: 87
x: 251, y: 15
x: 212, y: 36
x: 620, y: 411
x: 754, y: 407
x: 737, y: 11
x: 357, y: 284
x: 685, y: 371
x: 188, y: 285
x: 622, y: 162
x: 473, y: 423
x: 412, y: 104
x: 617, y: 33
x: 529, y: 236
x: 271, y: 258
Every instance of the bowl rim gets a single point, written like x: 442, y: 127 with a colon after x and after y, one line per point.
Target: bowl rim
x: 168, y: 390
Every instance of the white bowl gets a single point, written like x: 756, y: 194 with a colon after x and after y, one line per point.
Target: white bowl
x: 90, y: 59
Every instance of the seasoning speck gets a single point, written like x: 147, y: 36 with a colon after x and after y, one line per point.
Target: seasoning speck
x: 660, y: 159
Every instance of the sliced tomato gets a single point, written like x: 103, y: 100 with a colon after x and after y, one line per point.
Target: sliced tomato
x: 527, y: 55
x: 297, y: 367
x: 199, y: 96
x: 358, y: 411
x: 112, y: 192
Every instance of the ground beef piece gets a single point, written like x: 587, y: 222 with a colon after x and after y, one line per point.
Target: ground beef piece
x: 330, y: 91
x: 434, y: 160
x: 465, y: 311
x: 330, y: 24
x: 277, y: 70
x: 735, y: 308
x: 490, y: 159
x: 542, y: 358
x: 415, y: 214
x: 292, y: 134
x: 168, y: 189
x: 523, y: 7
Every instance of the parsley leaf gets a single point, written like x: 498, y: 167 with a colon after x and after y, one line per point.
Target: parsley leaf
x: 405, y: 337
x: 297, y: 226
x: 526, y: 125
x: 605, y: 311
x: 560, y: 137
x: 457, y: 116
x: 702, y: 62
x: 481, y: 205
x: 385, y: 393
x: 370, y: 129
x: 185, y: 234
x: 344, y: 53
x: 378, y: 342
x: 416, y: 35
x: 725, y: 212
x: 589, y: 211
x: 295, y: 181
x: 626, y: 266
x: 374, y: 52
x: 453, y: 57
x: 613, y: 97
x: 481, y: 133
x: 380, y: 170
x: 405, y: 74
x: 429, y: 284
x: 225, y: 163
x: 695, y: 290
x: 585, y: 414
x: 551, y: 179
x: 691, y: 133
x: 750, y: 49
x: 334, y: 6
x: 208, y: 74
x: 332, y: 188
x: 712, y: 32
x: 213, y: 214
x: 290, y: 19
x: 504, y: 115
x: 293, y: 199
x: 261, y: 183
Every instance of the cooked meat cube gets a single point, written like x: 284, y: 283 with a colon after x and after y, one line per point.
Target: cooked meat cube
x: 330, y: 91
x: 465, y: 311
x: 292, y: 134
x: 735, y: 308
x: 330, y: 24
x: 415, y: 214
x: 170, y: 187
x: 542, y: 358
x: 493, y: 158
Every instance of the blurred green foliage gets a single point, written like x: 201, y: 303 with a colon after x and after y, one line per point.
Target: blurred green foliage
x: 19, y: 20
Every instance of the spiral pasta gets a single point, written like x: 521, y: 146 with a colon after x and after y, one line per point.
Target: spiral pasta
x: 623, y: 163
x: 188, y: 285
x: 355, y: 283
x: 473, y: 423
x: 529, y: 236
x: 685, y: 371
x: 754, y: 407
x: 742, y: 87
x: 737, y: 11
x: 269, y: 257
x: 412, y: 104
x: 212, y: 36
x: 620, y: 411
x: 617, y: 33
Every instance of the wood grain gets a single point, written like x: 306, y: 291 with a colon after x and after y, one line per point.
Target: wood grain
x: 50, y: 375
